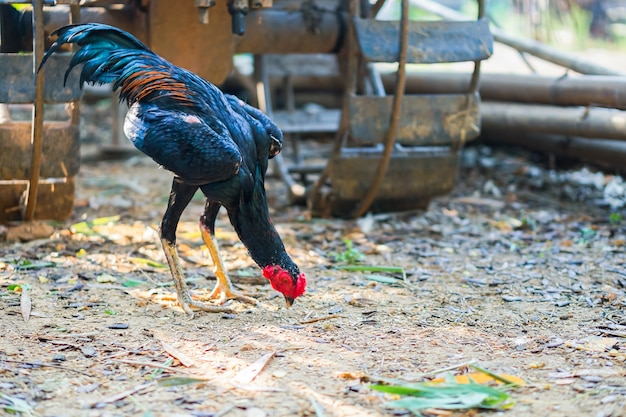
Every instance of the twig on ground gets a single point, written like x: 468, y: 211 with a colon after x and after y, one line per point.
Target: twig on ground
x: 153, y: 365
x: 331, y: 316
x: 317, y: 407
x: 256, y: 388
x: 494, y: 376
x: 69, y: 335
x: 47, y: 365
x: 224, y: 411
x: 423, y: 374
x: 125, y: 394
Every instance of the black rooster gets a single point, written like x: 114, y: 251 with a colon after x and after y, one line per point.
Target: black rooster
x: 208, y: 140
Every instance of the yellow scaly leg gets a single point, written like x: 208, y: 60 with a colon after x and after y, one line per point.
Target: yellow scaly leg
x: 182, y: 291
x: 223, y: 289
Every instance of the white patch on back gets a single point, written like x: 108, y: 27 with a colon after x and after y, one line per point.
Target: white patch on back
x: 134, y: 128
x: 190, y: 118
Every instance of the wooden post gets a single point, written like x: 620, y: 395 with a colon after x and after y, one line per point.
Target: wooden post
x: 37, y: 128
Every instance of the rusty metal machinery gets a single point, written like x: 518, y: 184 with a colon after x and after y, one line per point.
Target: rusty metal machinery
x: 288, y: 26
x: 397, y: 152
x: 425, y: 131
x: 39, y: 158
x: 391, y: 152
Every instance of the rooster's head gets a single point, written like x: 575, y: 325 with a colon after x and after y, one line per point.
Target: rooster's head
x: 290, y: 284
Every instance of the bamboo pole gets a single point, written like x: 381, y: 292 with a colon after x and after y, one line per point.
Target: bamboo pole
x: 529, y: 46
x: 587, y: 90
x: 574, y: 121
x: 599, y: 151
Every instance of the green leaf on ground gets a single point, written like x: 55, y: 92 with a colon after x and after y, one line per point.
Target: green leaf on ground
x: 373, y: 268
x: 148, y: 262
x: 14, y: 405
x: 130, y: 283
x: 448, y: 395
x: 384, y: 279
x: 174, y: 381
x: 86, y: 227
x: 19, y: 287
x: 350, y: 255
x: 24, y: 264
x: 159, y: 371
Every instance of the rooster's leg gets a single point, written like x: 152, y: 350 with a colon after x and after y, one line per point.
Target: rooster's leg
x: 224, y: 288
x: 180, y: 197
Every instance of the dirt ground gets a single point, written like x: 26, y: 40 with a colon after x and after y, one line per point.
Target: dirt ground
x: 517, y: 270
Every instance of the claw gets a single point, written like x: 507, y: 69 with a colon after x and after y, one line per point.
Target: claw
x: 222, y: 294
x: 208, y: 308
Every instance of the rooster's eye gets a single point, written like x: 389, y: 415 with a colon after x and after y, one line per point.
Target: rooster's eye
x: 275, y: 146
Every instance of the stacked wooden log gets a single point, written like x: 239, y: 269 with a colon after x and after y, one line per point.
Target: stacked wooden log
x: 575, y: 116
x: 581, y: 116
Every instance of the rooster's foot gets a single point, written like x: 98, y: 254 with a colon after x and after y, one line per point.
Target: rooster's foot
x: 223, y: 293
x: 188, y: 305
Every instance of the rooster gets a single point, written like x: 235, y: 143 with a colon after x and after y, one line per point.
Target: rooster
x: 209, y: 140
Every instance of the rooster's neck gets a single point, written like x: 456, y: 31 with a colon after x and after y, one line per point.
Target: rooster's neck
x: 252, y: 223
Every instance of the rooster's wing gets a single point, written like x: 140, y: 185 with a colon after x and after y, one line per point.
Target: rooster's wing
x: 183, y: 143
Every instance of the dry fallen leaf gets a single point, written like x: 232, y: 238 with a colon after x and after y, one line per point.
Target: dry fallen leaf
x: 176, y: 354
x: 598, y: 344
x: 247, y: 375
x: 481, y: 378
x: 105, y: 279
x: 565, y: 381
x: 25, y: 304
x: 477, y: 201
x: 602, y: 372
x: 351, y: 375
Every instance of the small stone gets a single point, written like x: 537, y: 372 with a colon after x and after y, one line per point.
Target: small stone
x: 592, y: 378
x: 88, y: 351
x: 555, y: 343
x: 355, y: 388
x: 608, y: 399
x: 336, y: 309
x: 118, y: 326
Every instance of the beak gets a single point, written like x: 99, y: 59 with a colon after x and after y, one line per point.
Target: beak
x: 289, y: 301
